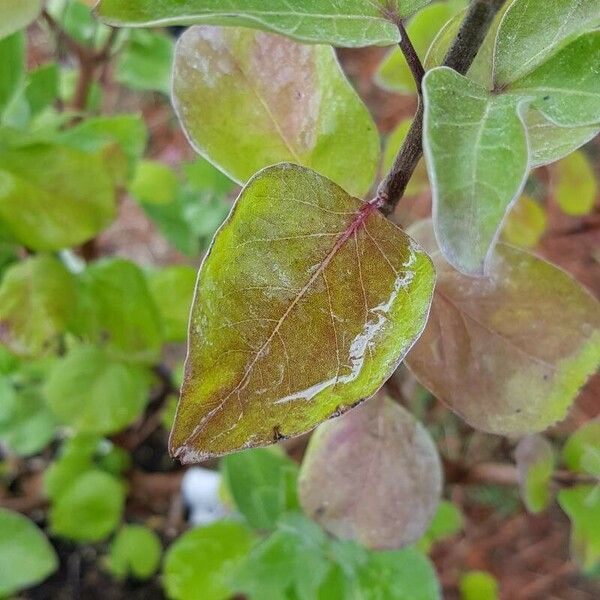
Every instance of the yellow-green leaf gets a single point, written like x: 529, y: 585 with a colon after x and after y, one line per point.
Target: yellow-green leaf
x: 576, y: 186
x: 372, y: 475
x: 347, y: 23
x: 525, y: 224
x: 305, y: 304
x: 535, y: 463
x: 508, y: 353
x: 249, y: 99
x: 581, y: 453
x: 17, y: 14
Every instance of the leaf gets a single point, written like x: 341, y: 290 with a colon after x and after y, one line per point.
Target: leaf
x: 76, y: 19
x: 478, y: 585
x: 41, y: 88
x: 89, y: 509
x: 477, y: 158
x: 535, y: 464
x: 534, y: 30
x: 575, y: 182
x: 549, y: 142
x: 419, y: 182
x: 173, y: 291
x: 394, y: 73
x: 145, y: 62
x: 243, y: 110
x: 581, y: 453
x: 373, y: 475
x: 582, y: 505
x: 96, y: 394
x: 117, y: 310
x: 17, y: 14
x: 353, y: 23
x: 325, y: 299
x: 53, y: 196
x: 525, y: 224
x: 154, y: 183
x: 447, y: 522
x: 291, y: 563
x: 136, y: 551
x: 199, y: 564
x: 566, y: 89
x: 26, y: 556
x: 507, y: 353
x: 262, y: 484
x: 26, y: 423
x: 36, y: 301
x: 12, y: 67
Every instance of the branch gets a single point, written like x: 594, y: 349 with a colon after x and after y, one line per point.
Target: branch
x: 460, y: 56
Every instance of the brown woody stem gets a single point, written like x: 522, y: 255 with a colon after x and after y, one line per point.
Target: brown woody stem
x: 460, y: 57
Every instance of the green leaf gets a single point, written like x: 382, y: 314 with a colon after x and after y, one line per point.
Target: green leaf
x: 262, y: 483
x: 478, y: 585
x: 383, y: 505
x: 581, y: 453
x: 199, y: 564
x: 154, y: 183
x: 76, y: 19
x: 94, y: 393
x: 525, y: 224
x: 400, y: 575
x: 26, y: 423
x: 53, y: 196
x: 117, y: 310
x: 394, y: 73
x: 37, y: 297
x: 549, y: 142
x: 534, y: 30
x: 576, y: 186
x: 12, y: 67
x: 354, y: 23
x: 582, y: 505
x: 566, y: 89
x: 510, y: 352
x: 419, y: 181
x: 477, y: 158
x: 17, y: 14
x: 243, y: 110
x: 26, y: 556
x: 535, y: 463
x: 145, y: 62
x: 173, y: 291
x: 136, y: 551
x: 291, y: 563
x: 41, y: 88
x: 89, y: 509
x: 304, y: 252
x: 447, y: 522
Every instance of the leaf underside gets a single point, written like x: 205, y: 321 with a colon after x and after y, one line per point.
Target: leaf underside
x: 508, y: 353
x: 306, y: 303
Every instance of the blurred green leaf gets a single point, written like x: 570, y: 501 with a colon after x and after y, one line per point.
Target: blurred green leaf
x: 581, y: 453
x: 200, y: 563
x: 54, y: 196
x: 145, y: 62
x: 76, y: 19
x: 478, y: 585
x: 37, y: 297
x: 94, y: 393
x: 17, y: 14
x: 89, y: 509
x: 26, y: 423
x: 262, y: 483
x: 535, y: 464
x: 12, y: 67
x: 447, y: 522
x: 116, y: 309
x: 582, y: 505
x: 26, y: 556
x: 154, y: 183
x: 135, y: 551
x: 576, y: 186
x: 41, y: 87
x: 173, y: 292
x: 525, y: 224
